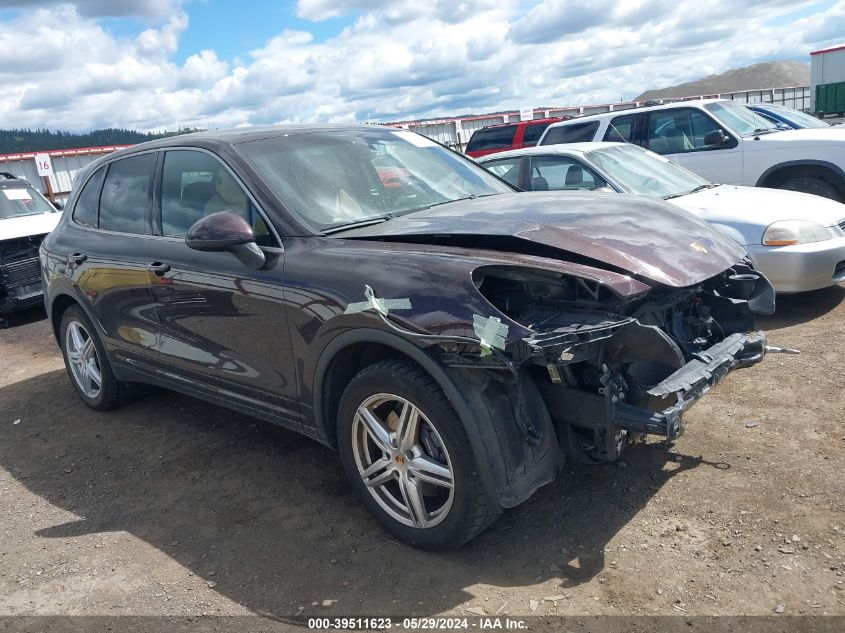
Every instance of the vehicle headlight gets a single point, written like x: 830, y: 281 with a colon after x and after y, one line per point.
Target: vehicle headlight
x: 788, y: 232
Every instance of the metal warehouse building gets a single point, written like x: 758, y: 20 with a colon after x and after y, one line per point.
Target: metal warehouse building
x: 66, y: 163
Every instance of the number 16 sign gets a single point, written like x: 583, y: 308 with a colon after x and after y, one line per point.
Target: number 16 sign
x: 45, y: 167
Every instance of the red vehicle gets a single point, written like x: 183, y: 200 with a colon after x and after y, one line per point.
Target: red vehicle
x: 505, y: 136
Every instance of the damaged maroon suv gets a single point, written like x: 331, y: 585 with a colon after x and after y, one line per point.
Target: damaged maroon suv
x: 455, y: 341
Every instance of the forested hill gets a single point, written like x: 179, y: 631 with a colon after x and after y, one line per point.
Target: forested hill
x: 14, y: 141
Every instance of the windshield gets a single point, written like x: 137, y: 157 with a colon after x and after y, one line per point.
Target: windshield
x: 644, y: 173
x: 23, y: 200
x: 340, y: 177
x: 801, y: 119
x: 739, y: 118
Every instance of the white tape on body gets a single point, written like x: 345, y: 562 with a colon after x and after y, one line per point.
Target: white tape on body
x: 491, y: 332
x: 382, y: 306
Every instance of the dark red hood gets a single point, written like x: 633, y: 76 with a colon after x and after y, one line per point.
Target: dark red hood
x: 645, y: 237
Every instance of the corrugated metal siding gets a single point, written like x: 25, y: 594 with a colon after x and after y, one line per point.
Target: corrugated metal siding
x: 65, y: 169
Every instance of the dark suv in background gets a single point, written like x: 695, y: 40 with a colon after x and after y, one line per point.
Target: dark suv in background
x: 505, y: 136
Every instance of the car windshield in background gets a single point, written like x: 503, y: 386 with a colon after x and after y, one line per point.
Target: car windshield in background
x: 641, y: 172
x: 801, y: 119
x: 740, y: 119
x: 19, y: 201
x: 336, y: 178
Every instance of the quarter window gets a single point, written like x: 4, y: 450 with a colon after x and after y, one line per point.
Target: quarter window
x: 560, y: 173
x: 574, y: 133
x: 620, y: 128
x: 195, y: 185
x: 125, y: 200
x: 507, y: 169
x: 679, y: 131
x: 85, y: 211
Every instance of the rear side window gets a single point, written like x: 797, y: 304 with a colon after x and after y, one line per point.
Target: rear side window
x: 620, y: 128
x: 561, y: 173
x: 85, y: 211
x: 492, y: 138
x: 575, y: 133
x: 507, y: 169
x: 125, y: 201
x: 533, y: 132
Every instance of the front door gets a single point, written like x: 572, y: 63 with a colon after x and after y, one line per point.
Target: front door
x: 678, y: 134
x: 223, y: 325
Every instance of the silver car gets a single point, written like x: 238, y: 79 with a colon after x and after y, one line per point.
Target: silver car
x: 796, y: 239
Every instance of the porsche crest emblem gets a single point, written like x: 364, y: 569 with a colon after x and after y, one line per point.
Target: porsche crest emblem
x: 698, y: 247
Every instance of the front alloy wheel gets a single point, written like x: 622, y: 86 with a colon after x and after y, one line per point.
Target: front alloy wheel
x: 407, y: 455
x: 403, y: 461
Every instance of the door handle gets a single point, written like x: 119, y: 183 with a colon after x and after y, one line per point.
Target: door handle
x: 159, y: 268
x: 77, y: 258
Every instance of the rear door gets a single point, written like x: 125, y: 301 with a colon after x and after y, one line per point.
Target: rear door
x: 105, y: 247
x: 678, y: 134
x: 224, y: 326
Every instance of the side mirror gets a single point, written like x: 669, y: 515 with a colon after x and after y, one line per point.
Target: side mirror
x: 59, y: 206
x: 717, y: 138
x: 226, y: 231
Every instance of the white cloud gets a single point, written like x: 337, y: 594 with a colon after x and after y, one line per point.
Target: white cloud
x: 403, y: 59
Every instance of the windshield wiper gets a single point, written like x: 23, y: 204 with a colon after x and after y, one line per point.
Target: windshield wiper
x: 691, y: 191
x: 354, y: 224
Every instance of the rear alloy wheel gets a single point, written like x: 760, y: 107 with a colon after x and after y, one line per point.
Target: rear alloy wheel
x: 405, y: 451
x: 83, y: 362
x: 88, y: 365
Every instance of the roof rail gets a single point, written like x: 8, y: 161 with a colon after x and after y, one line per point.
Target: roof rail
x: 8, y: 176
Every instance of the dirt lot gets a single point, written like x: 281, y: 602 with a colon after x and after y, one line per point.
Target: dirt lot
x: 175, y: 507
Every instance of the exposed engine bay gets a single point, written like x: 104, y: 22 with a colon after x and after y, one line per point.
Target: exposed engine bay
x: 609, y: 366
x: 20, y: 275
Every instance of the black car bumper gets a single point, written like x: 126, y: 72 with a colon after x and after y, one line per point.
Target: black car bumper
x: 20, y: 285
x: 661, y: 413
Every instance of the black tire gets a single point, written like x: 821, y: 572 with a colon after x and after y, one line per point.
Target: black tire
x: 469, y: 513
x: 112, y: 393
x: 816, y: 186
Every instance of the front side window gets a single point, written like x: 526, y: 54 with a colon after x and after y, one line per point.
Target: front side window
x: 507, y: 169
x: 341, y: 177
x: 620, y: 128
x: 85, y: 211
x: 678, y: 131
x: 575, y: 133
x: 492, y: 138
x: 19, y: 200
x: 194, y: 185
x: 125, y: 200
x: 561, y: 173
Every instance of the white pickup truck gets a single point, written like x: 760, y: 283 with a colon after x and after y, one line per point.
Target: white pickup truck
x: 724, y: 142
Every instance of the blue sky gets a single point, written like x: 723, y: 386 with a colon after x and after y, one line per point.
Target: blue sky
x: 156, y: 64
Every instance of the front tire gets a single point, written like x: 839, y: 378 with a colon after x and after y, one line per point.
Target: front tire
x: 407, y: 456
x: 88, y: 364
x: 815, y: 186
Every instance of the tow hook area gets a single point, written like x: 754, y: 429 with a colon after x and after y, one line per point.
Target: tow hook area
x: 660, y: 411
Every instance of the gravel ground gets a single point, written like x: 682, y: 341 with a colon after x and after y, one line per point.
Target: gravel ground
x: 171, y: 506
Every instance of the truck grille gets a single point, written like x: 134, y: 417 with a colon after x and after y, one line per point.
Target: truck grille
x: 26, y: 271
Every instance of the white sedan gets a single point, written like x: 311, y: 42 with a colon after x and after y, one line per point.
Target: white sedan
x: 797, y: 240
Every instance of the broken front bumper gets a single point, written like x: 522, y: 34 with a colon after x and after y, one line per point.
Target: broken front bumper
x: 668, y: 400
